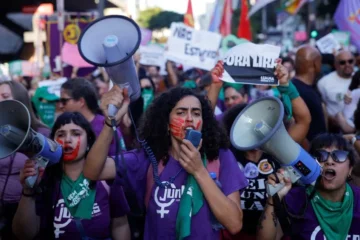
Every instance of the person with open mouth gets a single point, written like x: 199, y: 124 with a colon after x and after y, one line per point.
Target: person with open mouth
x: 329, y: 210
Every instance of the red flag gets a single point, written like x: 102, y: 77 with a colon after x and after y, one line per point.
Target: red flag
x: 189, y: 17
x: 244, y: 29
x: 225, y: 25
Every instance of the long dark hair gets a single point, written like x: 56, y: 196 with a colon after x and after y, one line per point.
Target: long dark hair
x: 19, y: 93
x: 155, y: 122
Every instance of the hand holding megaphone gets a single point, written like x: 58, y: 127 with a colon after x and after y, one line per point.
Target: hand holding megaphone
x: 116, y: 98
x: 281, y: 183
x: 31, y: 171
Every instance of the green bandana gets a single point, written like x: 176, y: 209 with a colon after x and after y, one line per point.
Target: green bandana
x: 189, y: 84
x: 190, y: 203
x: 334, y: 217
x: 288, y: 93
x: 148, y: 96
x: 79, y: 198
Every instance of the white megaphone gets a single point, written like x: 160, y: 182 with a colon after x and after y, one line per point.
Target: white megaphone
x: 260, y: 126
x: 16, y: 135
x: 110, y: 42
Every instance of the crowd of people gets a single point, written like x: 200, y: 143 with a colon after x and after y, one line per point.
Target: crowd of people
x: 144, y: 180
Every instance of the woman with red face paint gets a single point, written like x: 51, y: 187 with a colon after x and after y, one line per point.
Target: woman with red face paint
x: 180, y: 196
x: 66, y: 205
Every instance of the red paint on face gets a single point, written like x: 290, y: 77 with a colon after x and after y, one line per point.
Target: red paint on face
x: 177, y: 127
x: 69, y: 156
x: 197, y: 127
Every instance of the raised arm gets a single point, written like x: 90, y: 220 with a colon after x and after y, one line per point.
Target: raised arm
x: 98, y: 165
x: 216, y: 84
x: 301, y: 114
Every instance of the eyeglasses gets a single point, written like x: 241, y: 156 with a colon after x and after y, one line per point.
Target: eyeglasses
x: 339, y: 156
x: 64, y: 100
x: 349, y: 61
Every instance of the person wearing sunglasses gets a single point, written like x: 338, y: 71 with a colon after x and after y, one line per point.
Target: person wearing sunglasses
x: 329, y: 209
x: 334, y: 86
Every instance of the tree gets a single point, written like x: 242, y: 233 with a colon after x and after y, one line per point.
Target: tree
x: 146, y: 15
x: 164, y: 20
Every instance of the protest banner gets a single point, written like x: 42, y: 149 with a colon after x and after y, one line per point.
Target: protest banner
x: 328, y: 44
x: 194, y: 48
x: 55, y: 45
x: 346, y: 18
x: 250, y: 63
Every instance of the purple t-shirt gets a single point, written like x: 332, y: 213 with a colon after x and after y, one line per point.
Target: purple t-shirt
x: 10, y: 167
x: 164, y: 203
x: 97, y: 125
x: 309, y: 227
x: 110, y: 202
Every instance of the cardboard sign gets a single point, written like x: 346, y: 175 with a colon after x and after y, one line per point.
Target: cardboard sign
x: 342, y: 37
x: 152, y: 55
x: 328, y: 44
x: 188, y: 46
x: 249, y: 63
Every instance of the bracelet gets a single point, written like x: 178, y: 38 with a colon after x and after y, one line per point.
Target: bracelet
x: 28, y: 195
x: 107, y: 124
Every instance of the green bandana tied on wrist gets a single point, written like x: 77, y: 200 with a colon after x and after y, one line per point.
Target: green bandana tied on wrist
x: 79, y: 198
x: 334, y: 217
x: 288, y: 93
x: 190, y: 203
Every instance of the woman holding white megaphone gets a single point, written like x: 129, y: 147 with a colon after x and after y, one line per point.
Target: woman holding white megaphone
x: 329, y: 209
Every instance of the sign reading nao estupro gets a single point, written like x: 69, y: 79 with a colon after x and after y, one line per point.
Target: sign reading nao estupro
x: 250, y: 63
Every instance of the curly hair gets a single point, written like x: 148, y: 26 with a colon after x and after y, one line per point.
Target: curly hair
x: 154, y: 125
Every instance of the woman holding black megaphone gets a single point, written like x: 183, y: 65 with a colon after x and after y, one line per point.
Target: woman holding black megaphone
x: 192, y: 187
x: 329, y: 209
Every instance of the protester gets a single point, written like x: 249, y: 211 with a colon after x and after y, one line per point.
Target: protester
x: 335, y: 85
x: 307, y: 69
x: 69, y: 206
x: 163, y: 127
x: 79, y: 95
x: 329, y: 209
x: 10, y: 166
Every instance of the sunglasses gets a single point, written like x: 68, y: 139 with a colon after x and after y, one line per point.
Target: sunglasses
x: 343, y: 62
x: 339, y: 156
x: 64, y: 100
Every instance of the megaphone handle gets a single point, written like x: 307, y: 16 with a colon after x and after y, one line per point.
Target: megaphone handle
x: 30, y: 181
x: 272, y: 190
x: 112, y: 110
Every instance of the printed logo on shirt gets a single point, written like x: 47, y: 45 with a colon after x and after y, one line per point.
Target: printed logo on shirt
x: 167, y: 197
x: 254, y: 196
x: 63, y: 217
x: 265, y: 167
x: 317, y: 234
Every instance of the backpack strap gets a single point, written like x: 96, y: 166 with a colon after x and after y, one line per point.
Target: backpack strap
x: 213, y: 166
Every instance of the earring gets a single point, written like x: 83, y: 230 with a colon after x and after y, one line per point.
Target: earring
x: 87, y: 149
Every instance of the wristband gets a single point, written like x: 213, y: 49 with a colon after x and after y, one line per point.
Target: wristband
x: 28, y: 195
x: 107, y: 124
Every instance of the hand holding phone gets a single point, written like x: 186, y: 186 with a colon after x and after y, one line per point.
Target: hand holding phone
x: 190, y: 158
x: 194, y: 137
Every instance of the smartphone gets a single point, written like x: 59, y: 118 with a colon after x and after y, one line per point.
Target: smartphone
x: 194, y: 137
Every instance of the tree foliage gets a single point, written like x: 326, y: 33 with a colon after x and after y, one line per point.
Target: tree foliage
x: 164, y: 20
x: 145, y: 16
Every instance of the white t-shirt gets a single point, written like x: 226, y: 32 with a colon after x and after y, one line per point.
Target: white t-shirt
x: 349, y: 109
x: 333, y: 88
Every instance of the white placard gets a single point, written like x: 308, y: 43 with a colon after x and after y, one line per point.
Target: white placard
x: 328, y: 44
x: 152, y: 55
x: 192, y: 47
x: 54, y: 86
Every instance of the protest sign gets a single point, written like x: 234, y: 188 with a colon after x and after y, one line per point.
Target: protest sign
x: 342, y: 37
x: 249, y: 63
x: 191, y: 47
x: 152, y: 55
x: 328, y: 44
x: 23, y: 68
